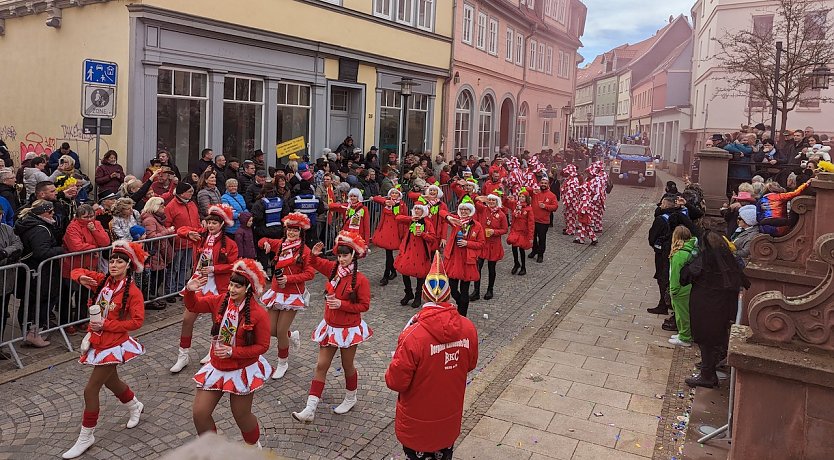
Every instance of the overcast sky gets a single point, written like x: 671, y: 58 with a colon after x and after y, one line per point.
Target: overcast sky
x: 611, y: 23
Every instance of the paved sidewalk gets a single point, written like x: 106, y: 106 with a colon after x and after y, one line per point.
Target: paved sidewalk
x: 593, y: 390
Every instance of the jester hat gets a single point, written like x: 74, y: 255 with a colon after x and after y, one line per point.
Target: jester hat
x: 436, y: 287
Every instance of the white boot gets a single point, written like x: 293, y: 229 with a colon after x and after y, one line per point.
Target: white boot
x: 258, y: 445
x: 347, y: 404
x: 280, y: 368
x: 309, y: 413
x: 85, y: 440
x: 295, y: 341
x: 182, y: 360
x: 206, y: 358
x: 135, y: 408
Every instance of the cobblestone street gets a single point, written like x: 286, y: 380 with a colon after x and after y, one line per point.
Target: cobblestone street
x: 41, y: 412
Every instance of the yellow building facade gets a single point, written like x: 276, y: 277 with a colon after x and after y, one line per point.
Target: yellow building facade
x: 230, y: 76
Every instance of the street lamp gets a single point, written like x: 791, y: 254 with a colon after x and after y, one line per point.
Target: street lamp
x: 406, y: 87
x: 820, y: 76
x: 568, y: 111
x: 590, y: 117
x: 775, y: 90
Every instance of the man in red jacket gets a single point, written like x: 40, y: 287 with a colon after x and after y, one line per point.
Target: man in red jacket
x: 543, y: 203
x: 181, y: 212
x: 434, y: 354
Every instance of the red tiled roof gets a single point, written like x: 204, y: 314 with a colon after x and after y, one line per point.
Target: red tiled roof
x: 625, y: 51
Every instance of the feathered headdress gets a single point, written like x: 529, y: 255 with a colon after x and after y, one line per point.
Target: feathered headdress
x: 224, y: 212
x: 134, y: 251
x: 352, y: 240
x: 252, y: 271
x: 296, y: 220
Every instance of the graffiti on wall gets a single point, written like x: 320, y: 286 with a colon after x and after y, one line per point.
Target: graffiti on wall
x: 43, y: 143
x: 8, y: 133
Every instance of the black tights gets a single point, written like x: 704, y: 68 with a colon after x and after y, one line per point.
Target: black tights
x: 518, y: 253
x: 460, y: 292
x: 491, y: 270
x: 389, y: 263
x: 417, y: 289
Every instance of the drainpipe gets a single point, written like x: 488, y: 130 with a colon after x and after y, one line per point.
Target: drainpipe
x: 524, y: 56
x: 444, y: 112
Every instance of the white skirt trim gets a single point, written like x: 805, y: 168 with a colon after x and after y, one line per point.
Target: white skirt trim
x: 238, y: 381
x: 279, y: 301
x: 342, y: 337
x: 118, y: 354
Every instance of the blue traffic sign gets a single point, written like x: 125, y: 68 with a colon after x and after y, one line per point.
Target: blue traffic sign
x: 100, y: 72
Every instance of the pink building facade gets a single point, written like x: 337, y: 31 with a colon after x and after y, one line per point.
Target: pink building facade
x: 513, y: 75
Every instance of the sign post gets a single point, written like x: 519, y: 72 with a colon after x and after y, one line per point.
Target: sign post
x: 98, y: 99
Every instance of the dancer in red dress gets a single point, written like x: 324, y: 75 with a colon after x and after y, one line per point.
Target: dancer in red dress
x: 213, y: 258
x: 348, y: 295
x: 494, y: 221
x: 461, y: 253
x: 390, y: 231
x: 121, y: 310
x: 355, y: 214
x: 433, y: 200
x: 521, y: 230
x: 416, y: 248
x: 291, y: 271
x: 240, y: 337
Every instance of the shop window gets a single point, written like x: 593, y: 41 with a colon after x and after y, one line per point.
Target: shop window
x: 181, y: 115
x: 242, y: 116
x: 390, y: 116
x: 293, y: 112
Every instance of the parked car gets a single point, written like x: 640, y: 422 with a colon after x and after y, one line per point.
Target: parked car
x: 633, y: 164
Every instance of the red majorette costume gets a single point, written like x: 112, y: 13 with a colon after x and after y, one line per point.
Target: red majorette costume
x: 122, y: 311
x: 389, y: 232
x: 343, y: 326
x: 570, y: 198
x: 433, y: 200
x: 292, y: 259
x: 216, y: 252
x: 356, y: 217
x: 416, y: 248
x: 461, y: 263
x: 434, y: 354
x: 494, y: 222
x: 243, y: 327
x: 521, y: 230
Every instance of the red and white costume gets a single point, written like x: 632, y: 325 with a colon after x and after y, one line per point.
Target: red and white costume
x: 208, y: 250
x: 496, y: 220
x: 521, y: 230
x: 414, y: 258
x: 570, y: 197
x: 389, y: 231
x: 599, y: 182
x: 461, y: 263
x: 294, y: 258
x: 246, y: 370
x: 437, y: 211
x: 356, y: 217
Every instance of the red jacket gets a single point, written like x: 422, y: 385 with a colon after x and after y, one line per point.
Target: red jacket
x: 388, y: 232
x: 222, y: 271
x: 496, y: 220
x: 180, y: 215
x: 416, y: 252
x: 349, y: 314
x: 434, y: 353
x: 79, y: 238
x: 542, y: 215
x: 115, y: 331
x: 461, y: 263
x: 297, y: 273
x: 521, y: 230
x: 242, y: 355
x: 437, y: 212
x: 459, y: 192
x: 364, y: 229
x: 490, y: 187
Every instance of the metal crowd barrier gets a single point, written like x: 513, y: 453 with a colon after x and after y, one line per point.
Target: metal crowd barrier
x: 15, y: 296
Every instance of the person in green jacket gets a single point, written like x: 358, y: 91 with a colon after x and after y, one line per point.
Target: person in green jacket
x: 684, y: 247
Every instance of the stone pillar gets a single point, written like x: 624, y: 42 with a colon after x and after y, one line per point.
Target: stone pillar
x: 713, y: 177
x: 216, y: 83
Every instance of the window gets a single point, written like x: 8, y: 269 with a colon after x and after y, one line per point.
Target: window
x: 519, y: 49
x: 468, y: 14
x: 548, y: 67
x: 243, y: 100
x: 418, y: 116
x: 493, y: 37
x: 521, y: 129
x: 546, y: 130
x: 810, y: 99
x: 481, y: 38
x: 425, y: 14
x: 540, y: 64
x: 763, y: 25
x: 561, y: 10
x: 548, y: 8
x: 485, y: 127
x: 382, y: 8
x: 405, y: 11
x: 181, y: 115
x: 815, y: 25
x: 293, y: 112
x: 532, y: 62
x: 510, y: 36
x: 390, y: 116
x: 564, y: 65
x: 463, y: 114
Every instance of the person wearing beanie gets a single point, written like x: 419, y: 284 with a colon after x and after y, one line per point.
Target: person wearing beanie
x: 137, y: 232
x: 214, y: 255
x: 493, y: 219
x: 463, y: 248
x: 244, y: 237
x: 347, y: 296
x: 390, y: 231
x: 240, y: 337
x: 419, y: 241
x: 748, y: 228
x: 355, y: 216
x: 108, y: 343
x: 288, y: 295
x: 569, y: 192
x: 521, y: 230
x: 431, y: 386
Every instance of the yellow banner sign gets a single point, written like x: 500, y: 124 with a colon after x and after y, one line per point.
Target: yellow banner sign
x: 291, y: 146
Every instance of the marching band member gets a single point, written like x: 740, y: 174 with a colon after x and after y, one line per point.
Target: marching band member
x: 348, y: 295
x: 356, y: 216
x: 240, y: 337
x: 494, y: 221
x: 118, y: 310
x: 461, y: 254
x: 416, y: 248
x: 521, y: 230
x: 390, y: 231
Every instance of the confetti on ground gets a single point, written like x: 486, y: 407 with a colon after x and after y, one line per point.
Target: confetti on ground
x: 598, y: 414
x: 658, y: 396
